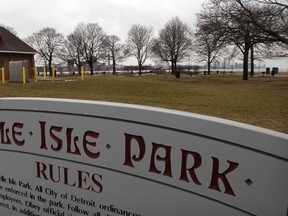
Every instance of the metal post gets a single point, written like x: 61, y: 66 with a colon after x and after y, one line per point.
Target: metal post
x: 35, y: 74
x: 53, y: 73
x: 3, y: 75
x: 44, y: 72
x: 24, y: 75
x: 82, y: 73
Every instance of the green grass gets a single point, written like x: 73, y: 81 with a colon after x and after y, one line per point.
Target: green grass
x: 261, y: 101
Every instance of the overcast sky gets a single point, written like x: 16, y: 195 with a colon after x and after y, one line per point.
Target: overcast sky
x: 114, y: 16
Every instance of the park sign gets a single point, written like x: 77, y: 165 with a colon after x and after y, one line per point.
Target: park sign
x: 71, y: 157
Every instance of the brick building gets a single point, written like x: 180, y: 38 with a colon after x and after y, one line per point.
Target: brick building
x: 14, y: 49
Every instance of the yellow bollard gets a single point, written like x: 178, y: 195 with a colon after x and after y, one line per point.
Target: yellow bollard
x: 35, y: 74
x: 44, y: 73
x: 3, y: 75
x: 53, y: 73
x: 82, y: 73
x: 24, y: 75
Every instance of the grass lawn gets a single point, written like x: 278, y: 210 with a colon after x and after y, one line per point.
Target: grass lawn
x: 261, y: 101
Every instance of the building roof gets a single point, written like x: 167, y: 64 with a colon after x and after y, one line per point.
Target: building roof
x: 9, y: 43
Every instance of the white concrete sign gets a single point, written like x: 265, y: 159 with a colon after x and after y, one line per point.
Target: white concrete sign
x: 69, y: 157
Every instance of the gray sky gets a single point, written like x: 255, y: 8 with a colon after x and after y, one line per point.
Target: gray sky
x: 114, y: 16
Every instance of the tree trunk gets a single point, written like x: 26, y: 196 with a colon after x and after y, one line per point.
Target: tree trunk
x: 247, y: 46
x: 245, y: 64
x: 91, y: 68
x: 50, y: 67
x: 140, y: 69
x: 114, y: 66
x: 209, y: 66
x: 177, y: 73
x: 79, y: 64
x: 252, y: 61
x: 173, y: 67
x: 79, y: 69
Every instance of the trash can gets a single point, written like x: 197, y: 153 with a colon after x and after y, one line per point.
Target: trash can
x: 275, y: 70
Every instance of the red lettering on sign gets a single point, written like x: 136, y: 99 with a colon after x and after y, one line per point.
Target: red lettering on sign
x: 86, y: 143
x: 197, y: 163
x: 65, y: 139
x: 166, y: 159
x: 12, y: 134
x: 216, y: 176
x: 69, y: 142
x: 63, y: 175
x: 53, y: 134
x: 141, y: 144
x: 191, y: 162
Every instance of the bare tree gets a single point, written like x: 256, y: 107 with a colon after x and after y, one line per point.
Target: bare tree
x: 209, y: 44
x: 72, y: 51
x: 238, y: 29
x: 139, y: 43
x: 263, y: 24
x: 274, y: 50
x: 116, y: 50
x: 48, y: 43
x: 92, y: 42
x: 174, y: 43
x: 271, y: 19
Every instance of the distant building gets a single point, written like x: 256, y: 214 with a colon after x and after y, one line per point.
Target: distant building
x: 97, y: 66
x: 14, y: 49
